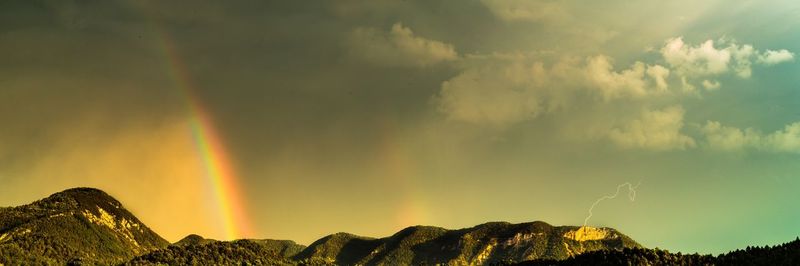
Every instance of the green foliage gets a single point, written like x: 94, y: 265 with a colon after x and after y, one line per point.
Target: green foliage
x: 285, y: 248
x: 56, y: 230
x: 784, y: 254
x: 342, y: 248
x: 239, y: 252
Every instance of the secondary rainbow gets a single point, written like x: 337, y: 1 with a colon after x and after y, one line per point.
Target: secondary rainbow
x: 218, y: 170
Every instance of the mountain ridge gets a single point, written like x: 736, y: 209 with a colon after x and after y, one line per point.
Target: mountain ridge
x: 86, y: 226
x: 486, y: 243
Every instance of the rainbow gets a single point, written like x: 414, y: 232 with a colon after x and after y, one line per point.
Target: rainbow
x: 218, y: 170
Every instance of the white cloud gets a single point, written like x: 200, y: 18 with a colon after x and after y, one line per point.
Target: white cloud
x: 601, y: 74
x: 711, y: 84
x: 659, y: 74
x: 500, y: 93
x: 742, y: 59
x: 399, y: 47
x: 771, y: 57
x: 655, y: 130
x: 699, y: 60
x: 706, y: 60
x: 526, y: 10
x: 724, y: 138
x: 786, y: 140
x: 477, y: 96
x: 704, y: 63
x: 687, y: 86
x: 637, y: 81
x: 504, y: 89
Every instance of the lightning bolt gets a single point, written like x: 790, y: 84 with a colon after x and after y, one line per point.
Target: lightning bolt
x: 631, y: 196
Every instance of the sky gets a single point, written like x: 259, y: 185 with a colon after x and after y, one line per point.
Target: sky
x: 370, y: 116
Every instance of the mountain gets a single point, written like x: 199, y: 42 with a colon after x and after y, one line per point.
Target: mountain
x: 87, y: 226
x: 483, y: 244
x: 80, y: 225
